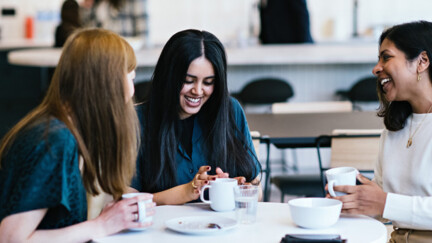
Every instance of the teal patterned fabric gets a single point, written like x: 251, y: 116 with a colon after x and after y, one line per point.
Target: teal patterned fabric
x: 41, y: 170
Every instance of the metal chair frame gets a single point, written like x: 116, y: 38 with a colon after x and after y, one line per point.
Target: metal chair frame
x: 325, y: 141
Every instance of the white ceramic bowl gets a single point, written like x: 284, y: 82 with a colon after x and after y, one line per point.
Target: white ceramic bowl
x: 315, y: 213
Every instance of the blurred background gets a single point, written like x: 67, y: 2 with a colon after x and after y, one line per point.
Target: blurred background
x: 235, y: 22
x: 336, y: 50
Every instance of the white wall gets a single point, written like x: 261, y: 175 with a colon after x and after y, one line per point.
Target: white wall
x: 331, y: 20
x: 235, y: 22
x: 45, y: 14
x: 230, y: 20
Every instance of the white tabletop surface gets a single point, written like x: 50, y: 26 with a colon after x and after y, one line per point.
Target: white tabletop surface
x: 253, y: 55
x: 273, y: 222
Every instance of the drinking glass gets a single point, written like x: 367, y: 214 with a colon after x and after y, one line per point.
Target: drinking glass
x: 246, y: 203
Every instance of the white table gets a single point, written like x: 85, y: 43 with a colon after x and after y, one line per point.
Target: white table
x: 273, y: 222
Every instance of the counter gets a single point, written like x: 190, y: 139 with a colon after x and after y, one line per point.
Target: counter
x: 10, y: 44
x: 254, y: 55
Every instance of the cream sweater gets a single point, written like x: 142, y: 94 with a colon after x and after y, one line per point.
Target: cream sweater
x: 406, y: 174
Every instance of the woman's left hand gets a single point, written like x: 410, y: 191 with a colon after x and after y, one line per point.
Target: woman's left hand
x: 368, y: 198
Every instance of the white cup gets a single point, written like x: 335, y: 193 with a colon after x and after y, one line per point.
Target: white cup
x: 141, y: 208
x: 340, y: 176
x: 221, y: 194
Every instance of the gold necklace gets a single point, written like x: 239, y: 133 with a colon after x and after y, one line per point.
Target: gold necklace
x: 410, y: 138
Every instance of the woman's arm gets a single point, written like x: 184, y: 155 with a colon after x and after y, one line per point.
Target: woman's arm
x: 176, y: 195
x: 187, y: 192
x: 21, y: 227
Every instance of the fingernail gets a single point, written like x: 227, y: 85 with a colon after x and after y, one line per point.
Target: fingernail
x: 205, y: 182
x: 208, y: 167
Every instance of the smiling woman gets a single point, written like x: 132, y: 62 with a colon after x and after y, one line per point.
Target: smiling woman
x: 401, y: 191
x: 190, y: 125
x: 82, y: 139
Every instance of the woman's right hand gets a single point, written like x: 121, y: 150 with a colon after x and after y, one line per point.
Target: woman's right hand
x: 200, y: 180
x: 120, y: 215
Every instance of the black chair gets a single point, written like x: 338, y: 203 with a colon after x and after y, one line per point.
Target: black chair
x: 363, y: 90
x: 356, y: 148
x: 141, y: 91
x: 308, y: 185
x: 265, y: 91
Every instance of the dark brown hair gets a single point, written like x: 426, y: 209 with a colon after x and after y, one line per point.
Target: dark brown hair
x: 412, y: 39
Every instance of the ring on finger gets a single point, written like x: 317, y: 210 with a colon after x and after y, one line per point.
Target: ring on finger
x: 193, y: 184
x: 193, y: 181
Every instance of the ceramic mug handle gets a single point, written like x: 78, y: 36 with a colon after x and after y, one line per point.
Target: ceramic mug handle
x: 202, y: 194
x: 330, y: 188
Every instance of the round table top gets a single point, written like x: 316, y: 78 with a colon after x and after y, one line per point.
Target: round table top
x: 273, y: 223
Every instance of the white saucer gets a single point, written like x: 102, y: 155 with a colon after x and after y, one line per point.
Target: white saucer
x: 199, y: 224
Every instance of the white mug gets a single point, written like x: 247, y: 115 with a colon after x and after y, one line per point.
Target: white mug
x: 221, y: 194
x: 141, y: 208
x: 340, y: 176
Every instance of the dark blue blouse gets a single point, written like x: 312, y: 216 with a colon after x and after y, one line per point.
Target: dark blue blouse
x: 41, y: 170
x: 188, y: 166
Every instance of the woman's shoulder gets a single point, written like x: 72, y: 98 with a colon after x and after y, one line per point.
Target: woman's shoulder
x: 235, y: 105
x: 51, y: 132
x: 237, y: 109
x: 54, y: 129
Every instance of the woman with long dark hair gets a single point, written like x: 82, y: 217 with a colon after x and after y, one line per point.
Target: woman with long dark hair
x: 70, y: 22
x: 190, y: 124
x: 82, y: 139
x: 402, y: 186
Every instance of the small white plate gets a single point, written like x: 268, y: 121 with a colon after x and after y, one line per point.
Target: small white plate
x: 200, y: 224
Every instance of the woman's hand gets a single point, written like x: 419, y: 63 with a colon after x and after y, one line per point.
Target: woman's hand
x: 200, y: 180
x: 120, y: 215
x: 240, y: 179
x: 368, y: 198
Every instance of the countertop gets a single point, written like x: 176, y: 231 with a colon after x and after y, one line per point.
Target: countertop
x: 10, y: 44
x: 301, y: 54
